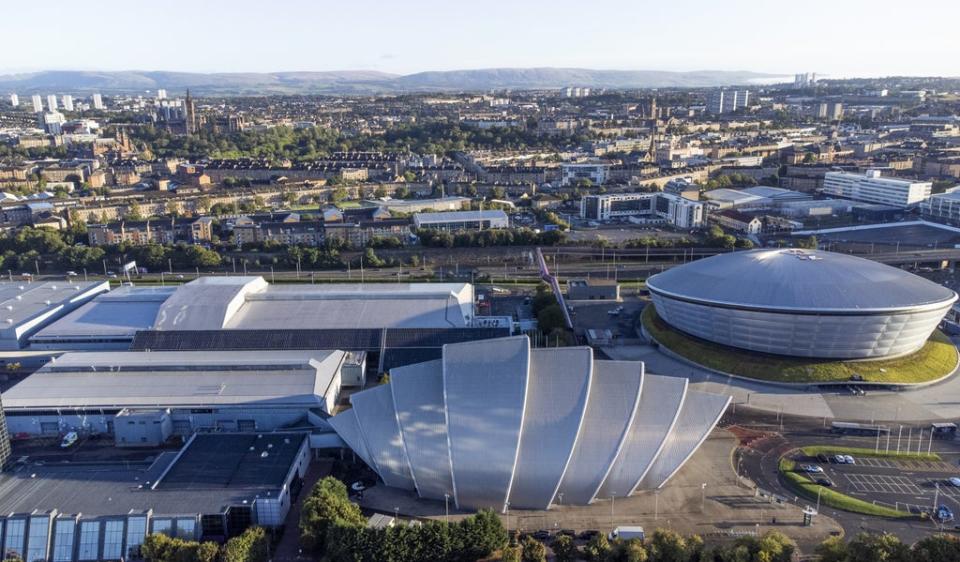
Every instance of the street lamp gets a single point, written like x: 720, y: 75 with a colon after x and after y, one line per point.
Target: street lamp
x: 703, y: 495
x: 446, y: 507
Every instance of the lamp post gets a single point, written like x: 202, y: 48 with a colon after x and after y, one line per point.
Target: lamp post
x: 446, y: 507
x: 703, y: 496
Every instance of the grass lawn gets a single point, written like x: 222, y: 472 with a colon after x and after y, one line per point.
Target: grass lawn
x: 936, y: 359
x: 805, y: 487
x: 861, y: 452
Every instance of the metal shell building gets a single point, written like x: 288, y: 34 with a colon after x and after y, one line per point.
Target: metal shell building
x: 497, y: 424
x: 805, y: 303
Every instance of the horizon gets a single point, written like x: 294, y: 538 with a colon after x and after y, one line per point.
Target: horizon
x: 420, y: 36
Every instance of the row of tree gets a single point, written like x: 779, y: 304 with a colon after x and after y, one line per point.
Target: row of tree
x: 490, y: 237
x: 252, y: 546
x: 332, y: 527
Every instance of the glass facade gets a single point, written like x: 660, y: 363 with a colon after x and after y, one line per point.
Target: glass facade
x: 15, y: 533
x: 164, y: 526
x: 89, y: 541
x: 186, y: 528
x: 63, y: 537
x: 136, y: 531
x: 39, y: 539
x: 113, y: 540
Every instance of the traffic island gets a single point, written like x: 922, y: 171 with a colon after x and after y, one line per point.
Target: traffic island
x: 936, y: 360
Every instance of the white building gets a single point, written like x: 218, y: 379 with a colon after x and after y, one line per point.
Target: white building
x: 873, y: 188
x: 14, y: 100
x: 676, y: 210
x: 97, y: 101
x: 67, y: 100
x: 37, y: 103
x: 943, y: 207
x: 52, y: 102
x: 804, y: 79
x: 727, y: 101
x: 161, y: 94
x: 570, y: 174
x: 53, y: 122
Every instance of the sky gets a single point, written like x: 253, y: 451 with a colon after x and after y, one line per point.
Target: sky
x: 840, y: 38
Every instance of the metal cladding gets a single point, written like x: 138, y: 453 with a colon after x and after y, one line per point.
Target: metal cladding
x: 497, y: 424
x: 804, y: 303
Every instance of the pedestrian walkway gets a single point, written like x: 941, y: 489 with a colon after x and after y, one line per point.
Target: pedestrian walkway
x: 288, y: 549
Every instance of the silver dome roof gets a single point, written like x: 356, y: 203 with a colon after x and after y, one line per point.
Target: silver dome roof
x: 799, y: 280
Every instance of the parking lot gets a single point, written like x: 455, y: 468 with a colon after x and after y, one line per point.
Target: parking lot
x: 904, y: 484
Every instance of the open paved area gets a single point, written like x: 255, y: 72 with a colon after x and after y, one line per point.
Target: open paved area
x: 940, y: 401
x: 722, y: 509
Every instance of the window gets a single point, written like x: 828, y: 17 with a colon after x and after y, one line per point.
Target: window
x: 89, y: 540
x: 136, y: 530
x: 113, y: 540
x: 164, y: 526
x: 63, y: 540
x: 39, y: 538
x: 187, y: 528
x: 14, y: 544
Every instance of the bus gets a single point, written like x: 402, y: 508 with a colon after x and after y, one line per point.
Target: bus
x: 850, y: 428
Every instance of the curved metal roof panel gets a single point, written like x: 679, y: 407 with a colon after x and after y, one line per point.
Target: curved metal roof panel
x: 701, y: 412
x: 611, y: 406
x: 556, y: 400
x: 418, y: 398
x: 660, y: 404
x: 485, y: 389
x: 795, y: 280
x: 378, y: 422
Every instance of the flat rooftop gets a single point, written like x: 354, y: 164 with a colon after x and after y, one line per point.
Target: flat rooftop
x: 178, y: 379
x: 118, y: 313
x: 22, y: 301
x: 214, y: 471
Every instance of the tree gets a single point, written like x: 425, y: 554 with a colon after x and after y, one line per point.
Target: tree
x: 598, y: 549
x: 551, y: 318
x: 327, y: 506
x: 936, y: 548
x: 868, y: 547
x: 409, y: 176
x: 630, y: 551
x: 511, y: 554
x: 133, y: 212
x: 833, y: 549
x: 565, y: 549
x: 159, y: 547
x: 775, y: 547
x: 533, y: 550
x: 252, y: 546
x: 668, y: 546
x: 339, y: 194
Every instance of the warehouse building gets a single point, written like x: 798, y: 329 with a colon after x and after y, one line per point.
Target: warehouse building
x: 805, y: 303
x: 250, y: 303
x: 462, y: 220
x: 95, y: 392
x: 27, y: 307
x: 213, y: 489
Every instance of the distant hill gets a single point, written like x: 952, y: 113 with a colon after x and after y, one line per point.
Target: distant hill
x: 364, y: 81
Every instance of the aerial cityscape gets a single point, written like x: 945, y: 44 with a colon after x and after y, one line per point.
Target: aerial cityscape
x: 528, y: 282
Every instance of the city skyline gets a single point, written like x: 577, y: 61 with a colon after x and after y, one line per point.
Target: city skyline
x: 832, y: 39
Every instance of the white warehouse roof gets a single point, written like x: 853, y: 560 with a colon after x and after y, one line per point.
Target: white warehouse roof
x: 250, y: 303
x: 25, y: 307
x: 175, y: 379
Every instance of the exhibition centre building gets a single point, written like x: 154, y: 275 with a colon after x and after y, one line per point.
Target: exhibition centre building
x: 494, y: 423
x: 804, y: 303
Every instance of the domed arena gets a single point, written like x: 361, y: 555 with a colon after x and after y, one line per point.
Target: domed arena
x: 801, y: 303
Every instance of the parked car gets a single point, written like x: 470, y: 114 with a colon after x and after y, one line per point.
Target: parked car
x: 69, y: 440
x: 954, y: 481
x: 847, y: 459
x: 826, y: 482
x: 823, y: 458
x: 839, y: 459
x: 811, y: 468
x: 943, y: 513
